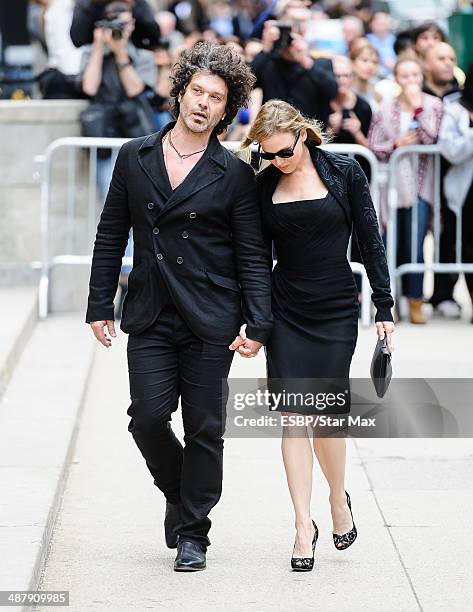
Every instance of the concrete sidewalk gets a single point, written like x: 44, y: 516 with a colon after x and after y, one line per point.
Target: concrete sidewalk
x: 38, y: 418
x: 410, y: 503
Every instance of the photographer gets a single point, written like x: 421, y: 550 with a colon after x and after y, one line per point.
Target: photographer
x: 146, y: 34
x: 286, y: 70
x: 117, y: 77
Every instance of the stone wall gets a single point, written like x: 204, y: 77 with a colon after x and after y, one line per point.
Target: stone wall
x: 27, y: 127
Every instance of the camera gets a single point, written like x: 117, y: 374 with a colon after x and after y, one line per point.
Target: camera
x: 345, y: 113
x: 116, y: 25
x: 285, y: 36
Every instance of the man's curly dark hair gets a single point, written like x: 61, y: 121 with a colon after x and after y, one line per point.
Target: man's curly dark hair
x: 222, y: 61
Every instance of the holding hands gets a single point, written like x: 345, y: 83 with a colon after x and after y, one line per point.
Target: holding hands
x: 245, y: 346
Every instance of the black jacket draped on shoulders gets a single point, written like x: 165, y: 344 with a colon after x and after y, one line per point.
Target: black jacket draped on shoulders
x: 347, y: 182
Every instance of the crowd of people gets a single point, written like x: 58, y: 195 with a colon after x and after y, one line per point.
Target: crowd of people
x: 368, y: 82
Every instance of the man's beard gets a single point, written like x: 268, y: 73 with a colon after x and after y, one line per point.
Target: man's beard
x: 197, y: 128
x: 443, y: 82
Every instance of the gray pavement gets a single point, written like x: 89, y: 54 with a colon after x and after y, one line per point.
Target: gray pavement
x: 411, y: 501
x: 19, y: 314
x: 38, y: 418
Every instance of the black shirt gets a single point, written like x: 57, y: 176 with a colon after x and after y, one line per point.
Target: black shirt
x: 363, y: 112
x: 307, y: 90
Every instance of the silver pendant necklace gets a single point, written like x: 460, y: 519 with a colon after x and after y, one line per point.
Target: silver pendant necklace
x: 183, y: 156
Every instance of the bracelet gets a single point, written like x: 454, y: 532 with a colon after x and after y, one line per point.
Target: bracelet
x: 418, y: 111
x: 123, y: 65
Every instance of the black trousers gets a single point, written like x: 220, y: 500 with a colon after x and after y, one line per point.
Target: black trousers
x: 444, y: 283
x: 165, y: 362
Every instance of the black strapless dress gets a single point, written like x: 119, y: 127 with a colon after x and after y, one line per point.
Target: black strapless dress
x: 314, y: 302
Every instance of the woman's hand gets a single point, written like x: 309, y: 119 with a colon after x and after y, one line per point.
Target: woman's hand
x: 353, y: 124
x: 335, y: 121
x: 386, y: 327
x: 243, y: 345
x: 413, y: 95
x: 409, y: 138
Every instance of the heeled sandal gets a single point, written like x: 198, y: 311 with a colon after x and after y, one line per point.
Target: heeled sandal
x: 305, y: 564
x: 344, y: 540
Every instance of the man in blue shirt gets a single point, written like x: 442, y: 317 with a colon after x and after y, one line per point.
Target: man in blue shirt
x: 382, y: 38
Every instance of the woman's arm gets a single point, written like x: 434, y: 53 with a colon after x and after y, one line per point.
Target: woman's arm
x: 371, y: 246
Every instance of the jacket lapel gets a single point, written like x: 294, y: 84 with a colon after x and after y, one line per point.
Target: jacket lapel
x: 150, y: 158
x: 210, y: 168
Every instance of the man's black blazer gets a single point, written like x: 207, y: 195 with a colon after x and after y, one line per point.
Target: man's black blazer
x: 201, y: 244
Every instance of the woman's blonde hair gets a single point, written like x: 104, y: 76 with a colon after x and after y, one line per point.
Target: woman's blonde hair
x: 407, y: 56
x: 359, y: 45
x: 279, y: 116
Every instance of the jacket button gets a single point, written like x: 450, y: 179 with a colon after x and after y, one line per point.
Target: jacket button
x: 179, y: 260
x: 151, y: 205
x: 155, y: 230
x: 185, y: 235
x: 192, y: 215
x: 159, y: 256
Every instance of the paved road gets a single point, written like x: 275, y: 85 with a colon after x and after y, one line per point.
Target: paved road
x: 411, y: 502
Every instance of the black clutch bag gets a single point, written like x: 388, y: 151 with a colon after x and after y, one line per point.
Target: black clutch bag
x: 381, y: 368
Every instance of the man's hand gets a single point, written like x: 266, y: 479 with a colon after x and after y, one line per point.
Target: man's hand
x: 119, y: 46
x: 99, y: 36
x: 269, y: 35
x: 298, y: 51
x: 98, y: 327
x: 245, y: 346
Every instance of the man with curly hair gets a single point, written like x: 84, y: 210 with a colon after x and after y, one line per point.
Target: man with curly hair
x: 201, y: 269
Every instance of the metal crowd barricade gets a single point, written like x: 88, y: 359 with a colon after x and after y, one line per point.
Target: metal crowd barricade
x: 396, y: 271
x: 67, y: 149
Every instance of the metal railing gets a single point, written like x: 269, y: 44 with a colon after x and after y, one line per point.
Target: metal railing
x: 396, y: 271
x: 67, y: 149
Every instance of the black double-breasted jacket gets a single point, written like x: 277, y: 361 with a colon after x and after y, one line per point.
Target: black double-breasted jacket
x: 347, y: 182
x: 199, y: 245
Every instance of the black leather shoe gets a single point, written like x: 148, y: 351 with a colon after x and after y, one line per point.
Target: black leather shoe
x: 171, y: 521
x: 190, y: 557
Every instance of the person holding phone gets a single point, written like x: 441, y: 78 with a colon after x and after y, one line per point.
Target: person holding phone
x: 411, y: 118
x: 350, y: 118
x: 285, y: 69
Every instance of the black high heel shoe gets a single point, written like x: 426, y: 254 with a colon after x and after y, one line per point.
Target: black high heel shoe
x: 305, y: 564
x: 345, y: 539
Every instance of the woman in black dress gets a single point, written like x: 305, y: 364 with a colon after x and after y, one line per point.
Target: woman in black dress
x: 310, y: 199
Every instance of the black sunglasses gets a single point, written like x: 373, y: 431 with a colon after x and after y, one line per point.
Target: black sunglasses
x: 284, y: 153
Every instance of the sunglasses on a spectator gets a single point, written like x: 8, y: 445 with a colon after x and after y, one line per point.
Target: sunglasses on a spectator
x: 284, y: 153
